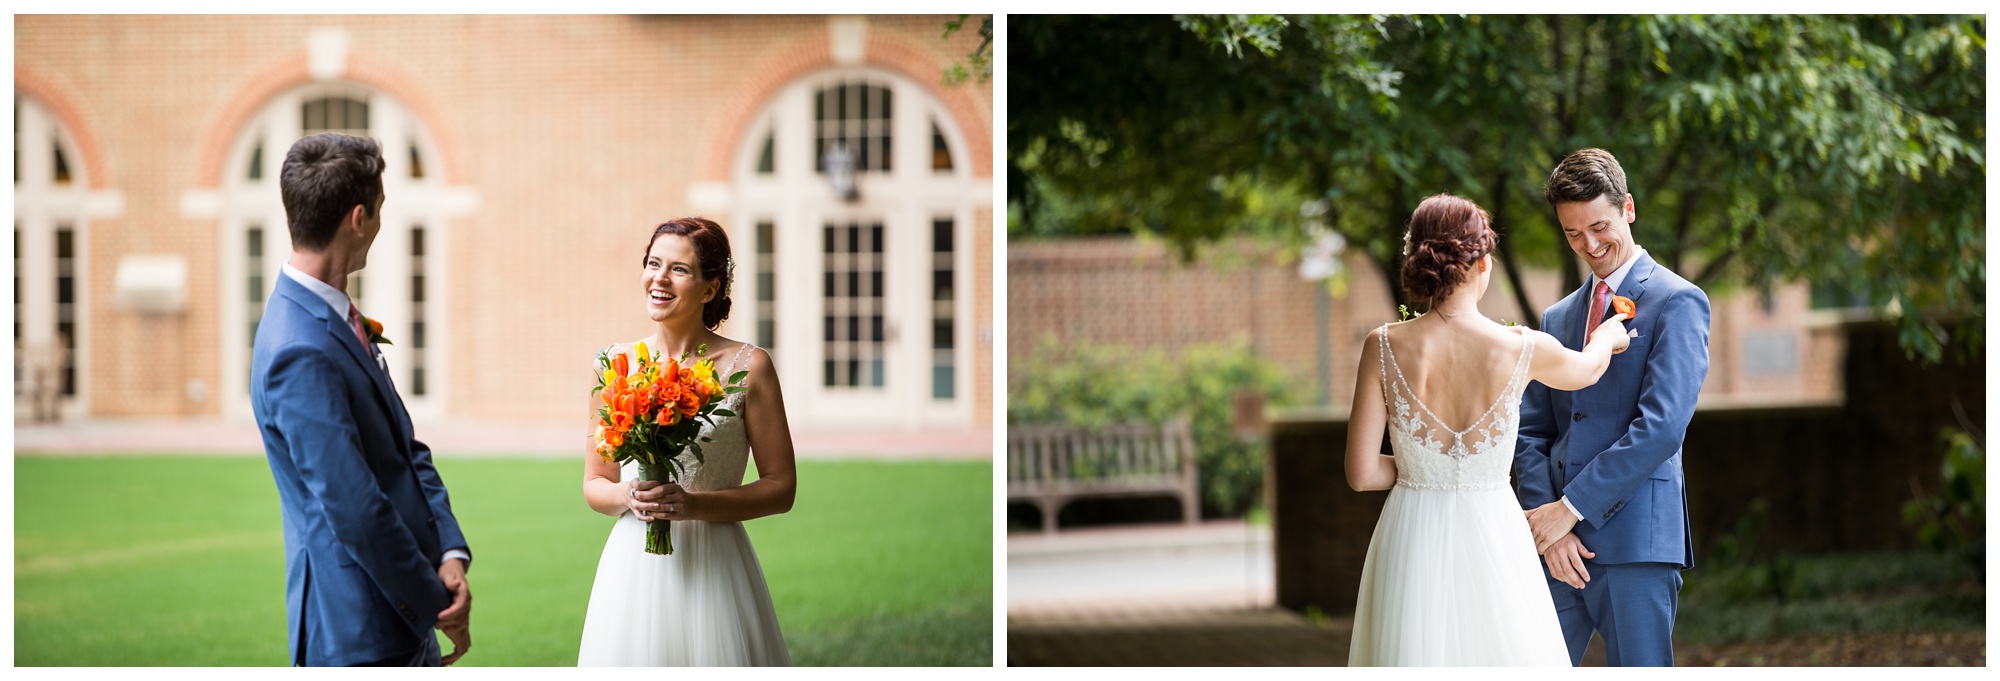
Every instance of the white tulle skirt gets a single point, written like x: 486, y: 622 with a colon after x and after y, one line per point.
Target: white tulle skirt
x: 706, y: 605
x: 1452, y: 578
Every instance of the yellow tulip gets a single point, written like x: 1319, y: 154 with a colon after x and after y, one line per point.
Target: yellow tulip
x: 641, y: 351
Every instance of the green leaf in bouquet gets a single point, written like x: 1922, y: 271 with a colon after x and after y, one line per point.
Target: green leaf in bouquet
x: 739, y: 376
x: 731, y: 390
x: 724, y: 412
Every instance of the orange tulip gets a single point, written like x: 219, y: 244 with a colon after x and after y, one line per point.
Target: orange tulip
x: 703, y: 390
x: 622, y: 364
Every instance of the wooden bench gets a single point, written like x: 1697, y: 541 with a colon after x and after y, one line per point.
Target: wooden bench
x: 1052, y: 465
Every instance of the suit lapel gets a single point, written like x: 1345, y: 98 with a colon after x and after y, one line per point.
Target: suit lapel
x: 1634, y: 286
x: 336, y: 324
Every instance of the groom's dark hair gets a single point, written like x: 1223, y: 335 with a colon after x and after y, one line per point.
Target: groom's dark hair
x: 325, y: 176
x: 1583, y: 176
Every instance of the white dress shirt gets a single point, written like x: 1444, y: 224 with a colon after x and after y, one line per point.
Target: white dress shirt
x: 338, y: 300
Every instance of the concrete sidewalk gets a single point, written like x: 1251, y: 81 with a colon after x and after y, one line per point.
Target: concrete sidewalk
x: 464, y: 438
x: 1128, y: 569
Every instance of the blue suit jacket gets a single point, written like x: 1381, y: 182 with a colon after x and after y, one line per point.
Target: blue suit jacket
x: 366, y: 517
x: 1614, y: 448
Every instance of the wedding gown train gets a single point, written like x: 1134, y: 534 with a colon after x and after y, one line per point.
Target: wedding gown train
x: 1451, y: 576
x: 706, y: 605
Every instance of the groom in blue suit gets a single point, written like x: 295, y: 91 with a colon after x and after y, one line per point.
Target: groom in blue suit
x: 373, y: 555
x: 1599, y: 469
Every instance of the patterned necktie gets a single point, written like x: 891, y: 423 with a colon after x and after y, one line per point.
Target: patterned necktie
x: 361, y: 331
x: 1597, y: 304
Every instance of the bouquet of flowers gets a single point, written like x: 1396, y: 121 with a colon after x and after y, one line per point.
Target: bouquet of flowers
x: 653, y: 413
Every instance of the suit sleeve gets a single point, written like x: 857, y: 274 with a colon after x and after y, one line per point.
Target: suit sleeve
x: 1531, y: 446
x: 449, y: 536
x: 326, y: 449
x: 1675, y: 370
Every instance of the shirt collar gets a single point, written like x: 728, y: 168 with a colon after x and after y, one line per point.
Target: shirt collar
x: 1616, y: 279
x: 334, y: 297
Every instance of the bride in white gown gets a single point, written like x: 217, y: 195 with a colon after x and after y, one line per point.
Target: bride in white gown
x: 1451, y: 576
x: 706, y: 604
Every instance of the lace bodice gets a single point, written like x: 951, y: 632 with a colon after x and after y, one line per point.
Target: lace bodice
x: 1429, y: 454
x: 727, y: 458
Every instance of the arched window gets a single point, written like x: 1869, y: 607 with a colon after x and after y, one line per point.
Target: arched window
x: 399, y: 286
x: 50, y: 233
x: 862, y: 297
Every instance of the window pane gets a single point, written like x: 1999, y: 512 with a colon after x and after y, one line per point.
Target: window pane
x: 857, y: 117
x: 940, y: 152
x: 944, y: 311
x: 766, y: 164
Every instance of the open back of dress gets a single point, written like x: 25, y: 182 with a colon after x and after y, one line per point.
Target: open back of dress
x: 1451, y: 576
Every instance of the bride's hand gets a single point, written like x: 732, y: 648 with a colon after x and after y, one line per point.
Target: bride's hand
x: 675, y: 503
x: 642, y: 497
x: 1613, y: 330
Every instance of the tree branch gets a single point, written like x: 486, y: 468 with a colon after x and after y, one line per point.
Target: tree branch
x: 1528, y: 316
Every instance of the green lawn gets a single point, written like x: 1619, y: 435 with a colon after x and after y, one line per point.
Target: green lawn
x: 161, y: 561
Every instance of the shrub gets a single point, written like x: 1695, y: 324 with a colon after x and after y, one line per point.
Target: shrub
x: 1953, y: 521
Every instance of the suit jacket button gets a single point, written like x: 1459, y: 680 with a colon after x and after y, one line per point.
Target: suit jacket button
x: 1577, y: 417
x: 432, y: 522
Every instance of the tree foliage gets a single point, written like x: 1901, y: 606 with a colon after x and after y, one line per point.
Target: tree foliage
x: 1831, y: 149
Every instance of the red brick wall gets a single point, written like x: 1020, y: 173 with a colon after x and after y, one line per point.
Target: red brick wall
x: 578, y: 133
x: 1122, y: 290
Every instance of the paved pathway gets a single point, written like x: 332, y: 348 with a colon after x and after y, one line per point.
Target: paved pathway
x: 1212, y: 565
x: 1161, y: 595
x: 463, y: 438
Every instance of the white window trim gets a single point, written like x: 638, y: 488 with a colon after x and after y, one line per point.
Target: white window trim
x: 39, y: 206
x: 428, y: 202
x: 798, y: 201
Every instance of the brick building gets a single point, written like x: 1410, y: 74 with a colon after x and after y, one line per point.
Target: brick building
x: 529, y: 158
x: 1122, y: 290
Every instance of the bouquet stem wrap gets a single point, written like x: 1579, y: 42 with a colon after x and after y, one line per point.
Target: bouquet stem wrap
x: 659, y: 533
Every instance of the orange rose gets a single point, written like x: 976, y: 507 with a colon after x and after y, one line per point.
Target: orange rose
x: 689, y: 403
x: 670, y: 395
x: 605, y: 450
x: 1623, y: 305
x: 615, y: 438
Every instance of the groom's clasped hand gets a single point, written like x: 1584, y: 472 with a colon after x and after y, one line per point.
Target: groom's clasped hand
x: 456, y: 619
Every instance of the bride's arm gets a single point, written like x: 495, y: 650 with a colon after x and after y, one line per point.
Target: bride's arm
x: 1561, y: 368
x: 770, y: 442
x: 602, y: 488
x: 1367, y: 468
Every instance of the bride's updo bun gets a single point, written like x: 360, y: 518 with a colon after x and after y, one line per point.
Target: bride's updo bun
x: 1446, y: 235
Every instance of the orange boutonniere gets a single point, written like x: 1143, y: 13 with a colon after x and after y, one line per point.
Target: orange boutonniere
x: 374, y: 331
x: 1623, y: 305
